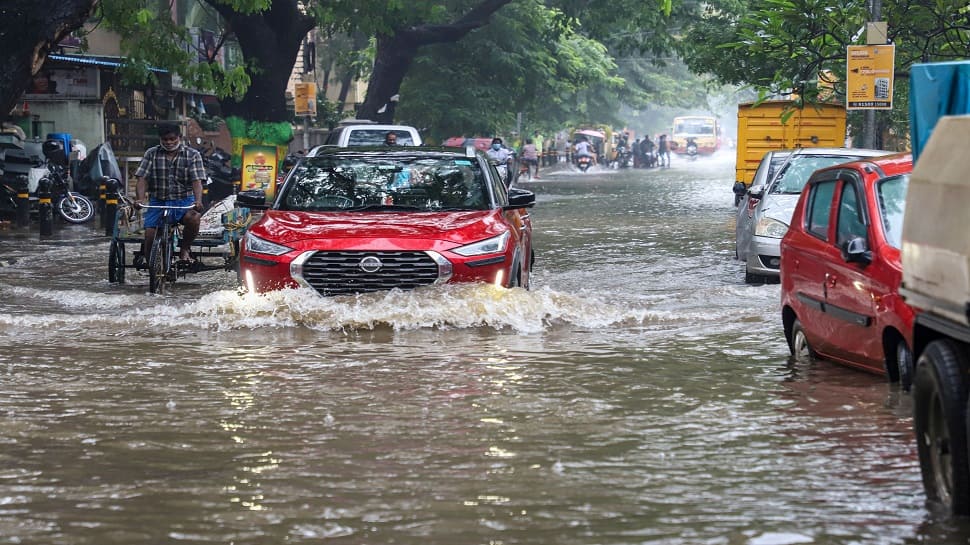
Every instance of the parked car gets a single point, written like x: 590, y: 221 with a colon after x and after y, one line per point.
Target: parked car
x: 769, y: 222
x: 841, y: 268
x: 771, y: 162
x: 351, y: 220
x: 359, y: 132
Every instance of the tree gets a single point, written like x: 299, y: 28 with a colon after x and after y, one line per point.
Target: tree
x: 252, y: 95
x: 784, y: 46
x: 398, y: 44
x: 526, y: 63
x: 29, y: 30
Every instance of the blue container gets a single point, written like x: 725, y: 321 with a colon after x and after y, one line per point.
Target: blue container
x: 65, y: 138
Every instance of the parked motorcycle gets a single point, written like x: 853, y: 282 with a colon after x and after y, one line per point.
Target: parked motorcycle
x: 71, y: 205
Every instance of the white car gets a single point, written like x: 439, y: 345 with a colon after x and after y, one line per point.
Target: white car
x: 358, y: 132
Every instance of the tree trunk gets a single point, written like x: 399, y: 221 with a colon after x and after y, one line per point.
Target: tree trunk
x: 270, y: 41
x: 396, y: 51
x: 28, y: 31
x: 391, y: 63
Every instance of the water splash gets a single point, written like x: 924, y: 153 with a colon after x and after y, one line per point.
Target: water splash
x: 455, y: 306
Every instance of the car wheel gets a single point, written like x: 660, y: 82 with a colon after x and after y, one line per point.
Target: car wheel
x: 798, y: 343
x: 939, y: 419
x: 904, y: 365
x: 753, y: 278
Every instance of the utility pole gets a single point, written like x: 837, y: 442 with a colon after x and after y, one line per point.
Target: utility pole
x: 869, y: 124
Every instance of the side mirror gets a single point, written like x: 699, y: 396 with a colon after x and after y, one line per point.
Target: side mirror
x: 739, y: 188
x: 857, y: 250
x: 520, y: 198
x: 253, y: 198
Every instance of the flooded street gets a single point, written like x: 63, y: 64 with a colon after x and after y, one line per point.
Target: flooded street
x: 639, y: 393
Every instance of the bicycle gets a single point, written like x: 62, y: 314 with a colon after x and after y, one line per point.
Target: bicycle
x: 162, y: 266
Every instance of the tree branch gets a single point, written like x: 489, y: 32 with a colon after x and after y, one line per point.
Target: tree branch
x: 477, y: 17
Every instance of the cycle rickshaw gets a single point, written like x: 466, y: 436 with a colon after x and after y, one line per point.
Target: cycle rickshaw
x: 214, y: 248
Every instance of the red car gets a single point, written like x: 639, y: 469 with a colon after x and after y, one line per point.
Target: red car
x: 841, y: 268
x: 352, y: 220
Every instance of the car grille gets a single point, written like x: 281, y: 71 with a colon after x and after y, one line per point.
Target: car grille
x: 337, y: 273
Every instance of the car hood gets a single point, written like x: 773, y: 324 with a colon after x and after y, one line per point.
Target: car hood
x: 459, y: 227
x: 779, y: 207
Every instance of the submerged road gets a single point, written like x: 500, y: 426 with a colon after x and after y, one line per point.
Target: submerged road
x: 640, y: 393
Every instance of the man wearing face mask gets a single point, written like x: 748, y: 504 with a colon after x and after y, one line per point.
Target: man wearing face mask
x: 498, y: 152
x: 501, y: 156
x: 171, y: 173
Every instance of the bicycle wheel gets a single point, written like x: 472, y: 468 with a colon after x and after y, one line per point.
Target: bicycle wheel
x: 116, y: 262
x: 159, y: 260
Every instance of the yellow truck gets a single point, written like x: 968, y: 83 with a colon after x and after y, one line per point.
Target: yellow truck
x: 760, y: 130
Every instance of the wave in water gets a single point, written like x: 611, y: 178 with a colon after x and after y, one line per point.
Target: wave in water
x: 448, y: 306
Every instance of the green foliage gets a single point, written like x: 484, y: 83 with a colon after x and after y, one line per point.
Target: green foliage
x: 151, y: 39
x: 329, y: 113
x: 538, y: 61
x: 782, y: 46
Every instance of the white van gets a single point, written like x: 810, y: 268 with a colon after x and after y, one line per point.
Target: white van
x: 359, y: 132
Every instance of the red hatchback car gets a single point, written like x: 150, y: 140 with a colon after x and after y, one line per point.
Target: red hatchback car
x: 352, y: 220
x: 841, y: 268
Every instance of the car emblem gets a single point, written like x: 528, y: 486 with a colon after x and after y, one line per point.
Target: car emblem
x: 370, y: 264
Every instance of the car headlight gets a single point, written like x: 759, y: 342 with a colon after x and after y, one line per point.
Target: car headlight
x: 770, y: 228
x: 257, y: 245
x: 494, y: 245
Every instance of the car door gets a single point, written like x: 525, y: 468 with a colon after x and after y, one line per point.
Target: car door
x: 848, y: 298
x: 806, y: 249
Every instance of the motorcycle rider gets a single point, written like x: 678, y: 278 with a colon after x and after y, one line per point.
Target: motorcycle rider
x: 501, y: 156
x: 585, y: 149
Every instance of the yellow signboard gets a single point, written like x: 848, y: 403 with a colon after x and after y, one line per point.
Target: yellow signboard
x: 869, y: 77
x: 305, y: 99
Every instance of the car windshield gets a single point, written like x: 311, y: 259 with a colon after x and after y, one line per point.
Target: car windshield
x: 891, y: 195
x: 793, y: 177
x: 375, y: 137
x: 385, y: 182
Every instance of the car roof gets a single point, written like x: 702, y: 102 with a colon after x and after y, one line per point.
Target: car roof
x: 889, y: 165
x: 372, y: 126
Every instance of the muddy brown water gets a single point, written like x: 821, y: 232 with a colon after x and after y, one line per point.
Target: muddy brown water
x: 639, y: 393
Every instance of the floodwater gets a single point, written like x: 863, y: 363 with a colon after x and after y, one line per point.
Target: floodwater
x: 639, y: 393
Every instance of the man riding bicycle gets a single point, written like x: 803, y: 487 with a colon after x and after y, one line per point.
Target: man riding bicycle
x: 172, y: 174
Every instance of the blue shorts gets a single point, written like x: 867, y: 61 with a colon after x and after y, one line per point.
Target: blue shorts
x: 153, y: 216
